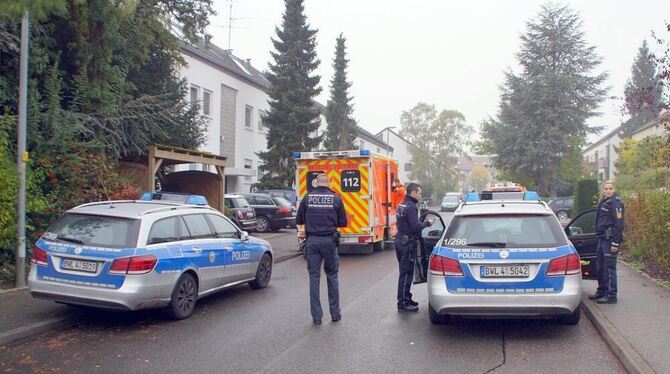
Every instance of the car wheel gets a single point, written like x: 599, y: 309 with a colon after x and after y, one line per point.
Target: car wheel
x: 572, y: 318
x: 438, y: 319
x: 562, y: 215
x: 263, y: 224
x: 263, y: 273
x: 184, y: 296
x: 378, y: 246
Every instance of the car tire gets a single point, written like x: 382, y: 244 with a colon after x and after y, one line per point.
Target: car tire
x: 184, y: 297
x: 438, y: 319
x: 263, y: 273
x: 562, y: 215
x: 572, y: 318
x: 263, y: 224
x: 378, y: 246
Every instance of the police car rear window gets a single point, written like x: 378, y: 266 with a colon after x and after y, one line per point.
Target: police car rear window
x: 505, y: 231
x: 96, y: 231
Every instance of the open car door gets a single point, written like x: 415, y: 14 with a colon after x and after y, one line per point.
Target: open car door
x: 582, y: 233
x: 430, y: 236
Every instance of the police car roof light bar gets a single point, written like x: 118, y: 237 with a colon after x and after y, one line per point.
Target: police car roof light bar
x: 499, y: 196
x: 174, y: 197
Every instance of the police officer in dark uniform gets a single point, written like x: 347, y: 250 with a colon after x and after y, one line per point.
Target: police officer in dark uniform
x: 406, y: 240
x: 609, y: 228
x: 322, y: 212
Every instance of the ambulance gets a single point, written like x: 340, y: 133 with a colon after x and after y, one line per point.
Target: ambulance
x: 369, y: 186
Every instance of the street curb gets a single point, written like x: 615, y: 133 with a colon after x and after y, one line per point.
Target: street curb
x: 10, y: 290
x: 656, y: 281
x: 36, y: 328
x: 631, y: 360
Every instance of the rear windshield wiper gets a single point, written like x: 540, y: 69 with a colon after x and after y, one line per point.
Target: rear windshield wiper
x: 71, y: 240
x: 488, y: 244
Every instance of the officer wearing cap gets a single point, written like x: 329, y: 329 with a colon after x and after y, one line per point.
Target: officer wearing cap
x: 609, y: 228
x: 322, y: 212
x: 409, y: 232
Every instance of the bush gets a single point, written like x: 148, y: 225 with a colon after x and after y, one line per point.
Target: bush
x: 647, y: 228
x: 585, y: 191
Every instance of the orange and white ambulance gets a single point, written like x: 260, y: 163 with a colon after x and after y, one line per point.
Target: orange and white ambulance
x: 370, y: 189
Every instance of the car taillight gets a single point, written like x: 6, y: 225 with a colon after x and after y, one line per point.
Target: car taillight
x: 133, y: 265
x: 565, y: 265
x: 364, y: 239
x: 240, y: 214
x: 284, y: 211
x: 445, y: 266
x: 39, y: 256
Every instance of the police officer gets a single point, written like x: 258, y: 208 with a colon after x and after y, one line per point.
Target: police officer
x: 609, y: 228
x: 409, y: 232
x: 322, y: 212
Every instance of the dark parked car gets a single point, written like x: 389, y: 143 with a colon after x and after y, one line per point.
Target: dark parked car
x: 273, y: 213
x: 562, y: 207
x: 243, y: 214
x: 289, y: 195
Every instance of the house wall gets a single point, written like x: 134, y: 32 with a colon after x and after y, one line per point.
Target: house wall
x: 400, y: 153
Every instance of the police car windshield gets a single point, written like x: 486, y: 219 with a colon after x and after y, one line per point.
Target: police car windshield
x: 508, y: 231
x: 97, y: 231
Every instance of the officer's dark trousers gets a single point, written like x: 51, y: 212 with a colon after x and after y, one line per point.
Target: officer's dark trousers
x: 405, y: 255
x: 320, y: 248
x: 606, y: 265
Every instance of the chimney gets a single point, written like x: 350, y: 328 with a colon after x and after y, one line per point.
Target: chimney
x: 249, y: 63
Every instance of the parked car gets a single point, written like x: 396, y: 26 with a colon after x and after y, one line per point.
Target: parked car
x: 150, y: 253
x: 289, y: 195
x: 506, y: 260
x: 562, y: 207
x: 243, y: 214
x: 450, y: 201
x: 272, y: 213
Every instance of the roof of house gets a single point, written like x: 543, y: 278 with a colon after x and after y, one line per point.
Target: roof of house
x: 663, y: 117
x: 381, y: 134
x: 602, y: 140
x: 225, y: 60
x: 370, y: 137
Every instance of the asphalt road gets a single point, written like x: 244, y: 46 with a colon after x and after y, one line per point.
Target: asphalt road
x: 243, y: 331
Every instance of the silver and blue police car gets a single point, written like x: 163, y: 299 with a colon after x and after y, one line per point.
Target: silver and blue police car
x: 503, y: 256
x: 165, y: 250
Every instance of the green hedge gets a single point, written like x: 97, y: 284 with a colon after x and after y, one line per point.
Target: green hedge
x: 585, y: 191
x: 647, y: 228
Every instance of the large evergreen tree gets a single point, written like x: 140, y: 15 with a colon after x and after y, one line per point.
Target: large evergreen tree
x: 545, y: 106
x: 341, y: 125
x: 293, y: 118
x: 643, y: 92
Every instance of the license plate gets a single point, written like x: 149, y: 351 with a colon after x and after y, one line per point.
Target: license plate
x: 87, y: 266
x: 507, y: 271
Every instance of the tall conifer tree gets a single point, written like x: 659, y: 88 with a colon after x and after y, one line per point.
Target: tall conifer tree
x: 643, y: 92
x: 293, y: 118
x: 341, y: 126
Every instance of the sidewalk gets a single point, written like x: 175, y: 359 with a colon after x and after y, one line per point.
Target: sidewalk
x: 637, y: 329
x: 22, y: 316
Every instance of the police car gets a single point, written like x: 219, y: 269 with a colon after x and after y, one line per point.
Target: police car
x: 504, y: 254
x: 165, y: 250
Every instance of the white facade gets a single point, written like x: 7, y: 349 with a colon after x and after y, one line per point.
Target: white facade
x: 207, y: 78
x: 656, y: 127
x: 400, y: 152
x: 602, y: 156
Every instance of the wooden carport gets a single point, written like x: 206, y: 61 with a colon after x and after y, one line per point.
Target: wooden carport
x: 162, y: 155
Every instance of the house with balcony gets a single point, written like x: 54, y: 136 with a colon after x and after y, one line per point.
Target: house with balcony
x: 600, y: 157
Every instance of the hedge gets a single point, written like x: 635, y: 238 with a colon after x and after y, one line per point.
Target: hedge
x: 585, y: 190
x: 647, y: 228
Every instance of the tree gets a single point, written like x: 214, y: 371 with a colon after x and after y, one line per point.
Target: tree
x: 436, y: 141
x: 546, y: 105
x: 341, y: 132
x: 479, y: 177
x: 293, y: 118
x: 643, y: 92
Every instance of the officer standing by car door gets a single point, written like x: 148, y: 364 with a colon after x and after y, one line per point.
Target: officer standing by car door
x: 409, y: 233
x: 609, y: 228
x: 322, y: 212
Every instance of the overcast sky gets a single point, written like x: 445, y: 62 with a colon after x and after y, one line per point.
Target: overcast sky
x: 448, y: 53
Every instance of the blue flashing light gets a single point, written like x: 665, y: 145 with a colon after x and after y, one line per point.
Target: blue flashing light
x: 365, y: 152
x: 196, y: 200
x: 531, y: 195
x: 175, y: 197
x: 147, y: 196
x: 472, y: 196
x: 296, y: 154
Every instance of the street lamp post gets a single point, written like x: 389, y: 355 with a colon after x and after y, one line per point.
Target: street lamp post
x: 22, y: 155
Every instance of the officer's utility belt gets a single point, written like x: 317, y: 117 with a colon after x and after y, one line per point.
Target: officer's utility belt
x: 335, y: 236
x: 607, y: 234
x: 406, y: 239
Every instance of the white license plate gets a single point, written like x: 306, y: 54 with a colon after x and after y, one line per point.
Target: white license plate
x: 87, y: 266
x: 507, y: 271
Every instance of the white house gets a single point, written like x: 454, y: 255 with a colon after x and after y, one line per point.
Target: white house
x: 656, y: 127
x: 400, y: 152
x: 232, y: 93
x: 601, y: 156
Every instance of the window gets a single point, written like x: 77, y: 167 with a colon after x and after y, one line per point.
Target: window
x: 194, y: 96
x: 248, y: 112
x: 184, y: 234
x: 163, y: 231
x: 263, y: 201
x: 584, y: 224
x: 99, y: 231
x: 222, y: 228
x: 198, y: 226
x: 408, y: 166
x: 206, y: 102
x: 261, y: 115
x: 248, y: 163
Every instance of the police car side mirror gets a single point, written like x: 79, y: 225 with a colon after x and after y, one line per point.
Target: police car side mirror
x: 244, y: 236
